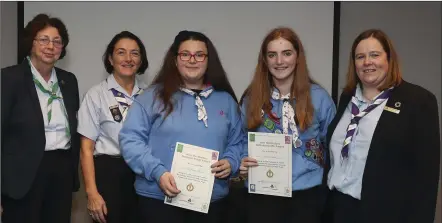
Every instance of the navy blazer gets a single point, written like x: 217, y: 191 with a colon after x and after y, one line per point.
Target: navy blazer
x: 23, y: 135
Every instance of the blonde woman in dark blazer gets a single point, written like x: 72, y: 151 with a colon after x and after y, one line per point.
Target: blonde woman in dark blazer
x: 384, y: 142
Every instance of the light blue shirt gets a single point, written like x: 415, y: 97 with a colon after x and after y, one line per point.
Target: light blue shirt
x: 55, y: 131
x: 307, y: 160
x: 347, y: 177
x: 148, y: 140
x: 95, y: 120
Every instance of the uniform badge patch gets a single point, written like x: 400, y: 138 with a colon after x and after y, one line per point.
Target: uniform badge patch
x: 269, y: 124
x: 315, y: 151
x: 116, y: 113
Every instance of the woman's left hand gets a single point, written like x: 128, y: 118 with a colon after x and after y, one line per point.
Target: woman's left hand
x: 222, y: 168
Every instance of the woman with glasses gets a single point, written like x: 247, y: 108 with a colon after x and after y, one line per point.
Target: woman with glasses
x: 190, y: 101
x: 40, y: 144
x: 282, y: 98
x: 108, y: 180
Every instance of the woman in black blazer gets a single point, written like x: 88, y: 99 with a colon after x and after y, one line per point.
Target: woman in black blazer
x: 40, y: 144
x: 384, y: 142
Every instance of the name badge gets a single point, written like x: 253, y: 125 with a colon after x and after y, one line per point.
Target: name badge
x: 116, y: 113
x: 396, y: 111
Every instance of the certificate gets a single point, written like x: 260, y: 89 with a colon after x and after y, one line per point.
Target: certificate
x: 273, y: 175
x: 193, y: 176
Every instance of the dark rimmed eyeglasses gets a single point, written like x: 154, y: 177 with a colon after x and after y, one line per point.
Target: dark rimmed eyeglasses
x: 185, y: 56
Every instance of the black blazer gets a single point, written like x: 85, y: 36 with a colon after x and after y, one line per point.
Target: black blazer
x: 401, y: 175
x: 23, y: 136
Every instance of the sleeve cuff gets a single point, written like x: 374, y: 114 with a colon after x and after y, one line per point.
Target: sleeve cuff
x: 234, y: 165
x: 158, y: 172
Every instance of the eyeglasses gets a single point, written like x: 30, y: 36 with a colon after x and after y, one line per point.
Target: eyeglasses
x: 199, y: 57
x: 44, y: 41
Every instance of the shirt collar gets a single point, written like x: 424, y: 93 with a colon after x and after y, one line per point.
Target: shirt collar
x: 52, y: 79
x: 360, y: 97
x: 358, y: 94
x: 112, y: 83
x: 207, y: 88
x: 274, y: 89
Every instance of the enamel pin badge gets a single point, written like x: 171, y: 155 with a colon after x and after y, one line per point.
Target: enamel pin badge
x: 394, y: 110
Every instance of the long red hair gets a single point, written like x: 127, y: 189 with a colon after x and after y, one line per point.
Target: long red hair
x: 259, y: 90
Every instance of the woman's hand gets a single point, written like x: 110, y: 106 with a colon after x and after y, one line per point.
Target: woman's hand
x: 245, y: 164
x: 97, y: 207
x: 168, y: 185
x: 222, y: 168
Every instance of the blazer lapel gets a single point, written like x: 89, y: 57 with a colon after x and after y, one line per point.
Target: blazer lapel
x: 394, y: 101
x: 64, y: 88
x: 383, y: 128
x: 30, y: 85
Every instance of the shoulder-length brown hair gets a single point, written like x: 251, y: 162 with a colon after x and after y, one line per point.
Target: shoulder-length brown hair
x: 394, y: 74
x: 259, y: 90
x: 38, y: 23
x: 169, y: 79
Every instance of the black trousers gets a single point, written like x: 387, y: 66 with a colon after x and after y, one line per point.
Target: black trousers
x: 155, y: 211
x: 341, y: 208
x: 237, y: 203
x: 50, y: 198
x: 115, y: 183
x: 304, y: 206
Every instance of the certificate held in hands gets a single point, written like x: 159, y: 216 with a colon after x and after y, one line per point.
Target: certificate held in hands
x: 193, y: 176
x: 273, y: 175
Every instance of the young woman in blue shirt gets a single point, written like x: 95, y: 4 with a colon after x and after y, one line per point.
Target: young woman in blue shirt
x: 282, y: 98
x: 190, y: 101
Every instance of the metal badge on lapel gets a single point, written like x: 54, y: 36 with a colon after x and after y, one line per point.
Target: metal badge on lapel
x: 62, y: 82
x: 116, y: 114
x: 394, y: 110
x: 390, y: 109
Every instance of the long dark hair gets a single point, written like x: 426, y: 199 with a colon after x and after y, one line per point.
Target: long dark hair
x: 169, y: 79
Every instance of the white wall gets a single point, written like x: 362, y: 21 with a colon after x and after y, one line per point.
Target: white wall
x: 8, y: 43
x: 236, y: 28
x: 415, y: 29
x: 8, y: 36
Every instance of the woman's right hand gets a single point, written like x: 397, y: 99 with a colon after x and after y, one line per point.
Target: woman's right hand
x: 245, y: 164
x: 97, y: 207
x: 168, y: 185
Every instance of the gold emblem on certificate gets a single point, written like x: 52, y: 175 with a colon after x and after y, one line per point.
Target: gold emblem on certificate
x: 269, y: 174
x: 190, y: 187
